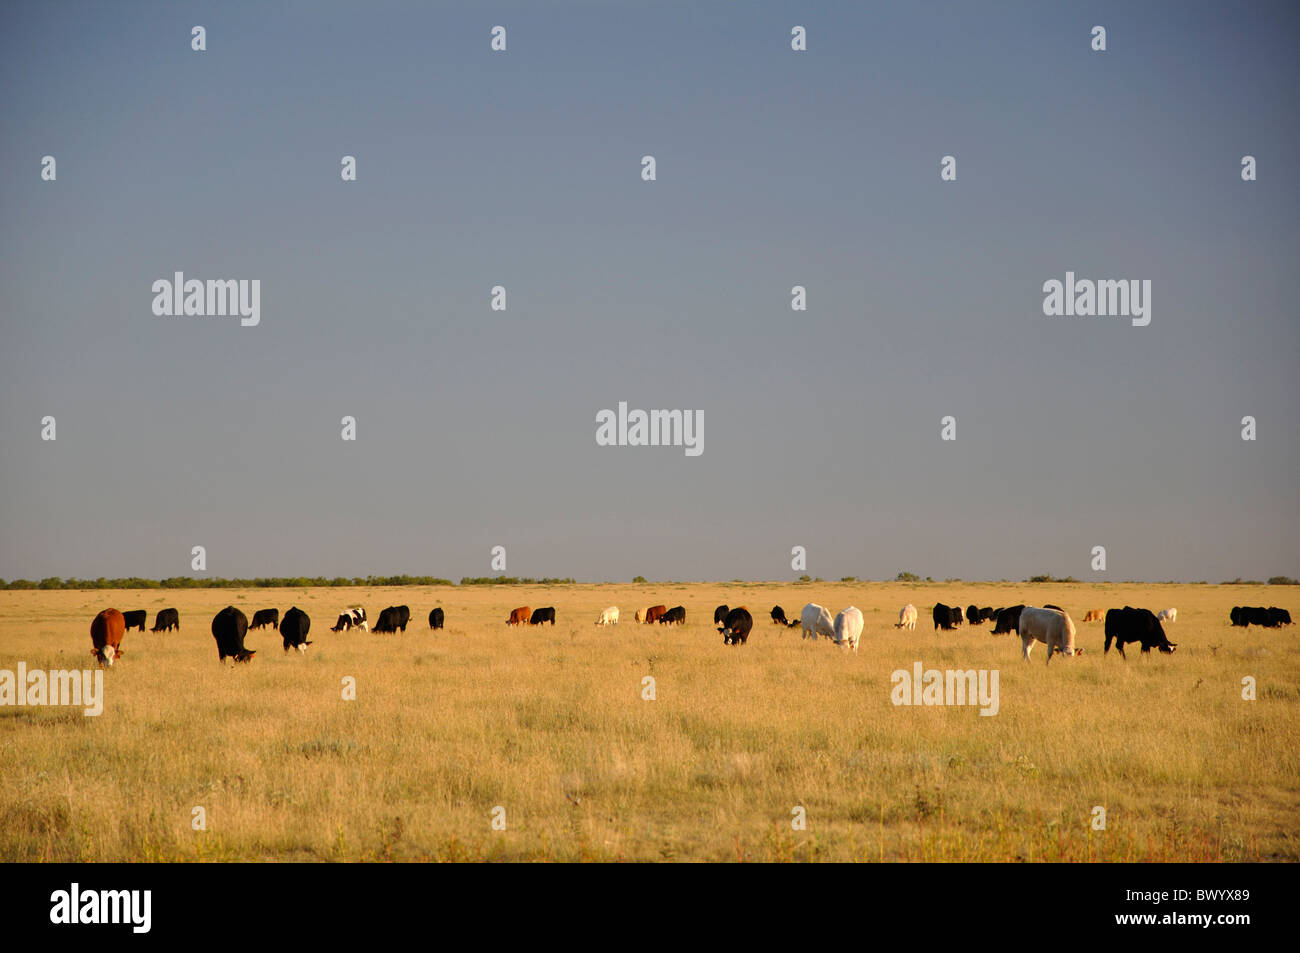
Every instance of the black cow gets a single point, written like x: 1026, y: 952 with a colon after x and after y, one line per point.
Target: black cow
x: 1136, y: 625
x: 1237, y: 615
x: 229, y: 627
x: 167, y: 619
x: 264, y: 617
x: 135, y: 619
x: 942, y: 616
x: 393, y: 618
x: 1257, y: 615
x: 720, y: 614
x: 674, y: 616
x: 294, y: 629
x: 778, y: 617
x: 1278, y: 617
x: 987, y: 614
x: 1007, y: 620
x: 435, y: 619
x: 735, y: 628
x: 545, y: 614
x: 973, y: 614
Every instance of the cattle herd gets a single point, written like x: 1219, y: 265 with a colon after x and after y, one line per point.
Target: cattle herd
x: 1049, y: 624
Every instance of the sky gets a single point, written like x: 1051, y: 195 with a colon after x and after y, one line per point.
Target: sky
x: 476, y: 428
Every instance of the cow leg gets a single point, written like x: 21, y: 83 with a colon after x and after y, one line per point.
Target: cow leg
x: 1026, y: 643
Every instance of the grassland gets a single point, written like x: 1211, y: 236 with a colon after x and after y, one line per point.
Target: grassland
x: 550, y: 724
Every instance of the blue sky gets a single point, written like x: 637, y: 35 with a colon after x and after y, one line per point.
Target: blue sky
x: 476, y: 428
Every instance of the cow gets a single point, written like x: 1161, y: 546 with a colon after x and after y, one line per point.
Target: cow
x: 106, y: 631
x: 720, y: 614
x: 135, y: 619
x: 816, y: 620
x: 518, y: 616
x: 1053, y: 627
x: 1092, y: 615
x: 351, y: 619
x: 167, y: 620
x: 778, y: 617
x: 294, y: 629
x: 906, y: 617
x: 674, y: 616
x: 1278, y: 617
x: 229, y: 627
x: 973, y: 614
x: 546, y: 614
x: 654, y: 612
x: 1007, y: 620
x: 735, y: 627
x: 1136, y: 625
x: 436, y: 618
x: 609, y: 616
x: 848, y: 627
x: 264, y: 617
x: 640, y: 615
x: 1257, y: 615
x: 942, y: 616
x: 394, y: 618
x: 1238, y: 616
x: 1167, y: 615
x: 987, y: 614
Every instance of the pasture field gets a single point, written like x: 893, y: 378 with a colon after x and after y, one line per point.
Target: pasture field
x: 550, y: 724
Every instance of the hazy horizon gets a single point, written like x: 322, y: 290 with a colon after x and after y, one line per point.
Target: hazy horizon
x: 477, y: 428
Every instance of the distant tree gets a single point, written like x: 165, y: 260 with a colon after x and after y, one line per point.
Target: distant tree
x: 907, y: 577
x: 805, y: 578
x: 638, y: 579
x: 848, y: 579
x: 1282, y: 581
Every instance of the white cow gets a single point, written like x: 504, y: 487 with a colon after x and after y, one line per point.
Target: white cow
x: 906, y: 617
x: 1168, y: 615
x: 1053, y: 628
x: 848, y: 627
x: 609, y: 616
x: 816, y: 621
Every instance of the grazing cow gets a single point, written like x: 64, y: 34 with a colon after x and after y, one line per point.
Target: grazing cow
x: 987, y: 614
x: 906, y: 617
x: 135, y: 619
x: 394, y: 618
x: 229, y: 627
x: 816, y: 620
x: 942, y: 616
x: 351, y: 619
x: 520, y: 616
x: 1237, y: 615
x: 848, y: 627
x: 436, y: 618
x: 1257, y: 615
x: 608, y: 616
x: 654, y: 613
x: 1167, y: 615
x: 1092, y: 615
x: 973, y: 614
x: 294, y: 629
x: 264, y: 617
x: 720, y: 614
x: 674, y: 616
x: 539, y: 616
x: 1007, y: 620
x: 1136, y: 625
x: 1053, y: 627
x: 640, y: 615
x: 167, y: 620
x: 106, y: 631
x: 1278, y: 617
x: 778, y: 617
x: 735, y: 627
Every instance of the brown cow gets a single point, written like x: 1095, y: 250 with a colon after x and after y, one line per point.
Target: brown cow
x: 1092, y: 615
x: 654, y: 612
x: 106, y: 635
x: 520, y: 616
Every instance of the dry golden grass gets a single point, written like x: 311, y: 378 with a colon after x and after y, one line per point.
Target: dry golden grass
x: 549, y: 723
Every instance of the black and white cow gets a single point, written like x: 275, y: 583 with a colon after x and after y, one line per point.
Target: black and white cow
x: 352, y: 619
x: 735, y: 627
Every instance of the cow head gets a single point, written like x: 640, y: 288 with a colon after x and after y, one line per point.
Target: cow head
x: 1168, y: 647
x: 108, y: 655
x: 302, y: 647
